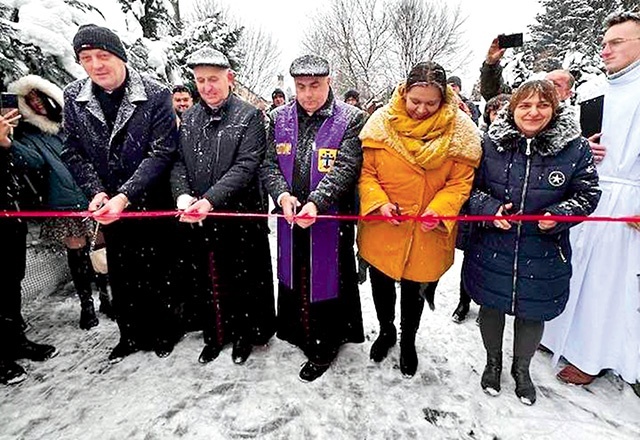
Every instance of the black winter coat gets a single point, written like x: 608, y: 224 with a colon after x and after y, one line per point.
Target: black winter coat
x: 525, y: 271
x: 220, y: 154
x: 135, y: 157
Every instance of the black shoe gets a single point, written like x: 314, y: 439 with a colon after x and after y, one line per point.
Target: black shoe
x: 383, y: 343
x: 310, y: 371
x: 408, y: 358
x: 35, y: 352
x: 163, y: 349
x: 460, y: 313
x: 122, y: 350
x: 241, y: 351
x: 88, y: 318
x: 636, y: 388
x: 490, y: 381
x: 209, y: 353
x: 525, y: 390
x: 11, y: 373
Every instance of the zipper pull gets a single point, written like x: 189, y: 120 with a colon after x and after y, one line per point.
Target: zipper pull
x: 528, y: 152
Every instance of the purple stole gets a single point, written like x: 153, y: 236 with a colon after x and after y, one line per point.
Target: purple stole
x: 325, y: 234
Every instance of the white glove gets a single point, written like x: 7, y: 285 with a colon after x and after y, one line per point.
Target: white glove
x: 184, y: 201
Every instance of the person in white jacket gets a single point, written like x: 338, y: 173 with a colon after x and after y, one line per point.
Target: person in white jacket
x: 600, y: 327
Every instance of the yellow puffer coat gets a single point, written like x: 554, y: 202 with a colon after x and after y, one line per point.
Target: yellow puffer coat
x: 391, y: 174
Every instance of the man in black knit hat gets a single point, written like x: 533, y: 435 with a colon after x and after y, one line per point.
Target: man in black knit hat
x: 121, y: 140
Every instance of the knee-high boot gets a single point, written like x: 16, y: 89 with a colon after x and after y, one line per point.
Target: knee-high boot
x: 461, y: 311
x: 383, y: 290
x: 82, y: 274
x: 102, y: 283
x: 527, y: 337
x: 411, y: 307
x: 492, y: 330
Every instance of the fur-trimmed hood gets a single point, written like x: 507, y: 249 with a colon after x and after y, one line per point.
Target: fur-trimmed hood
x: 562, y: 129
x: 22, y: 87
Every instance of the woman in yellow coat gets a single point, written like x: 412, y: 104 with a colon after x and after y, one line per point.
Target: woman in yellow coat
x: 420, y: 152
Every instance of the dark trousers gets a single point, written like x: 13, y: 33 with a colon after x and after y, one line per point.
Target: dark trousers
x: 236, y: 282
x: 411, y: 301
x: 140, y: 259
x: 13, y: 234
x: 527, y: 333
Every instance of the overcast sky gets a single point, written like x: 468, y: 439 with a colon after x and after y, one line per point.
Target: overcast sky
x: 286, y: 21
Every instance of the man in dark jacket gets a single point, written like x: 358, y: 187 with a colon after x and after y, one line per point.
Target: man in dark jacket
x: 13, y: 234
x: 313, y: 163
x: 121, y: 140
x: 469, y: 107
x: 232, y: 257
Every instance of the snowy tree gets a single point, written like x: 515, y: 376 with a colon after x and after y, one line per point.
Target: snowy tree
x: 428, y: 30
x: 259, y: 60
x: 372, y: 48
x: 156, y: 17
x: 354, y: 36
x: 571, y: 28
x: 213, y: 31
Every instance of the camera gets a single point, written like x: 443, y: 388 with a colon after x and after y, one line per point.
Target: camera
x: 8, y: 101
x: 511, y: 40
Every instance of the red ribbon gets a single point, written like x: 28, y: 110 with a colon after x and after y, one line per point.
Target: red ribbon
x: 459, y: 218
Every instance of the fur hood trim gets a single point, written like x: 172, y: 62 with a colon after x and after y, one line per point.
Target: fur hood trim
x: 22, y: 87
x: 562, y: 129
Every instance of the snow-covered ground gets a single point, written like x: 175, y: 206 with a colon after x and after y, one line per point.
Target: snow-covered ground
x: 79, y: 395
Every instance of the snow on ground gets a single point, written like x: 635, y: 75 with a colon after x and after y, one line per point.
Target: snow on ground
x: 79, y: 395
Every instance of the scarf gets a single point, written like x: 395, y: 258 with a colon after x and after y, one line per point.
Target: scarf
x: 425, y: 143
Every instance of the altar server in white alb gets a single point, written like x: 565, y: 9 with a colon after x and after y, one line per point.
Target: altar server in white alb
x: 600, y: 327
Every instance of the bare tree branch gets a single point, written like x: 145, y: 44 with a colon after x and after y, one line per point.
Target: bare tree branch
x: 260, y: 60
x: 373, y: 44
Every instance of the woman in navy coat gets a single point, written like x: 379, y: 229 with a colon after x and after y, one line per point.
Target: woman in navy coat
x: 534, y: 162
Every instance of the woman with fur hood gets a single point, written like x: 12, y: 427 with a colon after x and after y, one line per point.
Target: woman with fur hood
x: 38, y: 143
x: 534, y: 162
x: 420, y: 152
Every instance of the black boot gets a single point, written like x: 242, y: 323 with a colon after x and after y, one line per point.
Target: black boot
x: 310, y: 371
x: 527, y: 335
x: 11, y: 373
x: 241, y: 350
x: 102, y: 283
x: 411, y: 306
x: 122, y: 350
x: 383, y: 290
x: 82, y: 274
x: 26, y: 349
x: 525, y: 390
x: 461, y: 311
x: 383, y: 343
x: 209, y: 353
x: 490, y: 381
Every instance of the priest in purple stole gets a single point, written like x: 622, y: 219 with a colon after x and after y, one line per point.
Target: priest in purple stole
x: 312, y: 166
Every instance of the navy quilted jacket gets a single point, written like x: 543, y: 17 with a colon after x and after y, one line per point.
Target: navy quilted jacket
x: 525, y: 271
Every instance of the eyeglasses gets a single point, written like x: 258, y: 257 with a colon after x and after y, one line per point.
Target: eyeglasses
x: 616, y: 42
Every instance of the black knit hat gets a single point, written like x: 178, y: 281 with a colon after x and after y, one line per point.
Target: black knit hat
x: 278, y: 92
x: 455, y: 80
x: 90, y: 36
x: 352, y: 94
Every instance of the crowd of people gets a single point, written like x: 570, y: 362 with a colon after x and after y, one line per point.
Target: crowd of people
x: 119, y: 141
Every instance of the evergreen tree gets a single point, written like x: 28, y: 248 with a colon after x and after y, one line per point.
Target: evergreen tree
x: 567, y: 27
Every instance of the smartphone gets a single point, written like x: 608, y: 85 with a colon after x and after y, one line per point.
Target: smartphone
x: 8, y: 101
x: 511, y: 40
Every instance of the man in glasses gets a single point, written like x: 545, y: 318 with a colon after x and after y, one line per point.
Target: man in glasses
x: 600, y: 327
